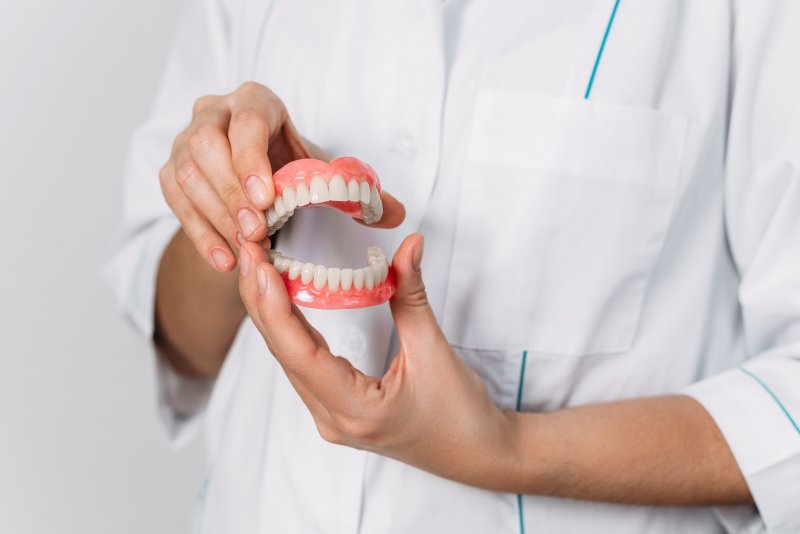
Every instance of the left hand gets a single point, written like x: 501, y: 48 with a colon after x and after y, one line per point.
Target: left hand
x: 430, y: 409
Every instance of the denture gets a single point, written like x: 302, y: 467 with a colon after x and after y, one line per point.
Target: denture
x: 353, y: 188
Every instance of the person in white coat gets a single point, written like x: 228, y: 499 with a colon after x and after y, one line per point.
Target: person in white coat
x: 608, y: 336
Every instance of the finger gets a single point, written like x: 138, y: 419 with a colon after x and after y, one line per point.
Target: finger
x: 256, y: 115
x: 249, y: 257
x: 288, y: 338
x: 205, y: 199
x: 211, y: 151
x: 413, y: 316
x: 394, y: 213
x: 207, y: 241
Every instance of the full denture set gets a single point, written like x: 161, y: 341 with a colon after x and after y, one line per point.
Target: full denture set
x: 352, y: 187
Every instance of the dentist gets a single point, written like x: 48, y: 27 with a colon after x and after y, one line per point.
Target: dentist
x: 599, y: 331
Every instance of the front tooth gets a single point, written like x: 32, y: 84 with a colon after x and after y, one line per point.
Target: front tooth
x: 272, y: 217
x: 294, y: 269
x: 307, y: 272
x: 289, y: 199
x: 334, y: 275
x: 319, y: 190
x: 302, y: 194
x: 280, y: 208
x: 353, y: 193
x: 364, y: 193
x: 358, y: 278
x: 337, y: 188
x: 320, y: 276
x: 347, y: 279
x: 369, y: 277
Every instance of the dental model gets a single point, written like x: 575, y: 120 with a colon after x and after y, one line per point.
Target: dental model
x: 352, y: 187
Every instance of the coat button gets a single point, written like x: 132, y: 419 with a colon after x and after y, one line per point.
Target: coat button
x: 404, y: 147
x: 353, y: 343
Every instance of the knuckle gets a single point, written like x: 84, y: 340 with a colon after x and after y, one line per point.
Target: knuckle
x: 187, y: 174
x: 359, y: 428
x: 204, y: 139
x: 247, y: 115
x: 202, y: 103
x: 330, y: 434
x: 231, y: 192
x: 250, y: 87
x: 165, y: 175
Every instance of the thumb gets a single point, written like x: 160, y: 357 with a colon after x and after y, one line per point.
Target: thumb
x: 411, y: 311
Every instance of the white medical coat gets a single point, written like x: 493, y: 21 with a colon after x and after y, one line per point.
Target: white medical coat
x: 611, y: 207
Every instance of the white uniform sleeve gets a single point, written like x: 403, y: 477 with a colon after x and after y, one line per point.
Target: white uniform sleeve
x: 757, y: 405
x: 197, y: 65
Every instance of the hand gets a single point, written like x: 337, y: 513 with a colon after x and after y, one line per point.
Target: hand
x: 430, y: 409
x: 218, y: 179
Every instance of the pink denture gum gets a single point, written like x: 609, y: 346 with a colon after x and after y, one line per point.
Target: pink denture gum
x: 347, y: 185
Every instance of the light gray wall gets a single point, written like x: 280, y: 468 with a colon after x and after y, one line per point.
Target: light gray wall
x: 81, y: 449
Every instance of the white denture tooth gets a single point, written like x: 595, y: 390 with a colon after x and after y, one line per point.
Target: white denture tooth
x: 320, y: 276
x: 353, y: 193
x: 289, y: 199
x: 282, y: 264
x: 280, y: 208
x: 272, y: 217
x: 364, y: 193
x: 337, y: 188
x: 384, y: 273
x: 334, y: 276
x: 319, y: 190
x: 302, y: 195
x: 347, y: 279
x: 369, y: 277
x: 375, y: 203
x: 294, y: 269
x: 272, y: 254
x: 271, y: 232
x: 358, y: 278
x: 374, y: 255
x: 307, y: 272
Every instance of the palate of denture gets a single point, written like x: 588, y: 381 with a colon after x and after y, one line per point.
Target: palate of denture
x: 347, y: 185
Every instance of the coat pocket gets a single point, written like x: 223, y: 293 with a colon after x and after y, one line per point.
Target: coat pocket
x: 563, y: 210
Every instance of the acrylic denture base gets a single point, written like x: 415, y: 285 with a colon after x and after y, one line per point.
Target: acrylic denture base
x: 352, y: 187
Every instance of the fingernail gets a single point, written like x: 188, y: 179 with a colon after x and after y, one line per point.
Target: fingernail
x: 256, y: 190
x: 261, y: 275
x: 416, y: 257
x: 248, y: 222
x: 219, y: 258
x: 244, y: 262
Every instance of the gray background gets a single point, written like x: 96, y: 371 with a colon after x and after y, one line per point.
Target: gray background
x: 81, y: 449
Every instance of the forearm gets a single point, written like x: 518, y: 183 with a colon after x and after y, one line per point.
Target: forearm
x: 198, y: 310
x: 654, y: 451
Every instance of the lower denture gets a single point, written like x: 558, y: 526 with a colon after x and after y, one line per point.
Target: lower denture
x: 352, y: 187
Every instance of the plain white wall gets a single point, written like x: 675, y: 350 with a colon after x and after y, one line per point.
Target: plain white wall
x: 81, y: 449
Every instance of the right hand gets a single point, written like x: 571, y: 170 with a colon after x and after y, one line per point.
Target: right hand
x: 218, y: 179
